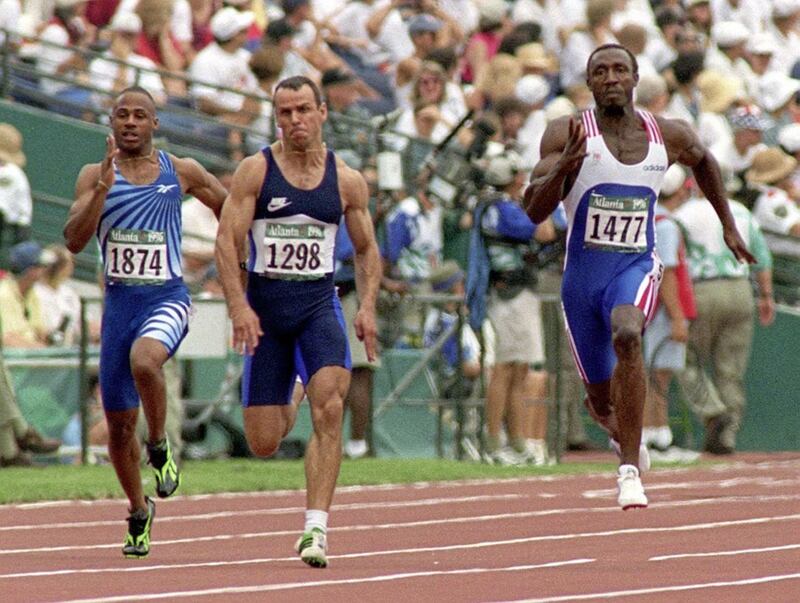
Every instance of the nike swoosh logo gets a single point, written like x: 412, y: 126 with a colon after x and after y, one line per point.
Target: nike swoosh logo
x: 277, y: 203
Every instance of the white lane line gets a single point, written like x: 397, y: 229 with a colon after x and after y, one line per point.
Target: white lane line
x: 665, y: 589
x: 408, y: 551
x: 425, y: 502
x: 725, y: 484
x: 237, y: 590
x: 407, y: 504
x: 766, y: 549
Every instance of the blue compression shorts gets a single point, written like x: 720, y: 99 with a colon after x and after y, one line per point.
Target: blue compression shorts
x: 159, y: 312
x: 588, y: 303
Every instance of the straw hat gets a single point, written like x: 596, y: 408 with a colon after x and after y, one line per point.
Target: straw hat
x: 11, y: 145
x: 717, y: 91
x: 534, y: 56
x: 770, y: 166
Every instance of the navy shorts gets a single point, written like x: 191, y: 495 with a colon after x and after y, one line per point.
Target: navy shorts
x: 300, y: 337
x: 159, y: 312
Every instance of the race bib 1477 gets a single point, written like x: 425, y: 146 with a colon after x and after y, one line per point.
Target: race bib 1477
x: 617, y: 223
x: 136, y: 256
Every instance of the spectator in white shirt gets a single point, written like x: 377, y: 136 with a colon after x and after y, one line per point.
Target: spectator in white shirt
x: 16, y: 204
x: 225, y: 64
x: 127, y: 68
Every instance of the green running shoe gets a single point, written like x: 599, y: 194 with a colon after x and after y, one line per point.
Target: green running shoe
x: 168, y: 477
x: 312, y: 547
x: 137, y: 541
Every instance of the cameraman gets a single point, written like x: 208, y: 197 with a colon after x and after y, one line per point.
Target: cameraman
x: 502, y: 277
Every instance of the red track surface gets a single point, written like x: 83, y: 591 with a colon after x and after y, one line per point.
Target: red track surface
x: 730, y: 533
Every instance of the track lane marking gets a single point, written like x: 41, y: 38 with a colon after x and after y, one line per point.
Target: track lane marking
x: 235, y: 590
x: 728, y: 553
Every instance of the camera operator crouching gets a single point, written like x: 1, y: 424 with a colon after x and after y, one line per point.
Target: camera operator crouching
x: 500, y: 287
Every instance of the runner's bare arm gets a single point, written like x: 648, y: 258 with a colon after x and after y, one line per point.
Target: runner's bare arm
x: 562, y: 150
x: 684, y: 146
x: 200, y: 183
x: 94, y: 181
x: 367, y: 258
x: 235, y: 220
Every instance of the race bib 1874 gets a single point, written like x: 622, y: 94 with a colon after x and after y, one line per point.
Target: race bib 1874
x: 136, y: 256
x: 617, y: 223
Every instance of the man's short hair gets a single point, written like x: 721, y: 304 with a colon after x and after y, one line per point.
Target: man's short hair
x: 634, y: 62
x: 295, y: 83
x: 136, y: 90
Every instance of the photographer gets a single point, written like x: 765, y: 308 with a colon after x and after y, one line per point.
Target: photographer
x: 500, y: 286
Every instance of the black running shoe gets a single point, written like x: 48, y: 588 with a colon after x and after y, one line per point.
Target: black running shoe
x: 168, y: 477
x: 137, y: 541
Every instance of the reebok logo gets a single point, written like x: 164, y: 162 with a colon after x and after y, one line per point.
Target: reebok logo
x: 165, y: 188
x: 277, y: 203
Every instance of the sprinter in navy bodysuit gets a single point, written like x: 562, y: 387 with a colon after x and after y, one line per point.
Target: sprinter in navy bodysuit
x: 279, y: 226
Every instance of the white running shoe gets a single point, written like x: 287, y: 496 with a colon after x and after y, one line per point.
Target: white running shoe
x: 631, y: 492
x: 644, y: 454
x: 355, y: 449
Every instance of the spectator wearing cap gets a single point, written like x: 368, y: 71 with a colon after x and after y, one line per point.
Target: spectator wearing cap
x: 735, y: 155
x: 23, y: 324
x: 120, y: 67
x: 727, y: 55
x: 534, y: 59
x: 225, y: 64
x: 16, y: 203
x: 778, y: 95
x: 664, y: 341
x: 256, y: 29
x: 776, y: 208
x: 500, y: 288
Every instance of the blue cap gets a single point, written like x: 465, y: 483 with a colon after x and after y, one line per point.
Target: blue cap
x: 423, y: 22
x: 27, y: 255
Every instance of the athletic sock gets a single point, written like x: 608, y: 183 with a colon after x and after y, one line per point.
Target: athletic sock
x: 316, y: 519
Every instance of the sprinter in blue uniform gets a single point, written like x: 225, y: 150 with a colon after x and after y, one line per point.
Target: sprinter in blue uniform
x: 607, y: 167
x: 132, y: 202
x: 279, y: 226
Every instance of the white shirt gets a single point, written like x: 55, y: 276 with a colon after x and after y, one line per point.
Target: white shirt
x: 775, y: 211
x: 16, y: 203
x: 50, y: 57
x: 351, y: 22
x: 10, y: 11
x: 529, y: 138
x: 213, y: 65
x: 393, y: 36
x: 58, y: 304
x: 199, y: 228
x: 103, y: 74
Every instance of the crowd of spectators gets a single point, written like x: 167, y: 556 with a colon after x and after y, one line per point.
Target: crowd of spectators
x: 417, y: 68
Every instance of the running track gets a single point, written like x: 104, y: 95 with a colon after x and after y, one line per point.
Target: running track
x: 726, y: 533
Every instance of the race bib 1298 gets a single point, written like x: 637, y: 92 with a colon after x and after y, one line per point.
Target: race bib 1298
x: 617, y: 223
x: 136, y: 256
x: 298, y: 251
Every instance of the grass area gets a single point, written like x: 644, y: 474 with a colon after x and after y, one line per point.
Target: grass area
x: 60, y: 482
